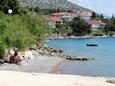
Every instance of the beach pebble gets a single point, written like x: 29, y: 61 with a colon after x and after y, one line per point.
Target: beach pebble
x: 112, y: 81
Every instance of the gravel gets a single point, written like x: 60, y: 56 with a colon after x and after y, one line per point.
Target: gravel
x: 39, y: 64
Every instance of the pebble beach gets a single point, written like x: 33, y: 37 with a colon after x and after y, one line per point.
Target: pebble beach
x: 44, y: 70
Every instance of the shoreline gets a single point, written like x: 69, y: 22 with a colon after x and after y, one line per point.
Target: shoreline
x: 44, y: 71
x: 56, y: 67
x: 77, y: 37
x: 40, y: 64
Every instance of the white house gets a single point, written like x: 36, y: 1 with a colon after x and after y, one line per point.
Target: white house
x: 96, y: 24
x: 86, y: 16
x: 66, y: 16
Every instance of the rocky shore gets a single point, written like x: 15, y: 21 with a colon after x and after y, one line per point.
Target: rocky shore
x: 76, y: 37
x: 43, y: 49
x: 40, y: 58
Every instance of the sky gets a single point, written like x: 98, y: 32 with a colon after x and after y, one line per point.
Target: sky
x: 106, y: 7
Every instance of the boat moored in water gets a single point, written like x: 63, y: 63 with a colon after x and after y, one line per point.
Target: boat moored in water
x: 92, y: 45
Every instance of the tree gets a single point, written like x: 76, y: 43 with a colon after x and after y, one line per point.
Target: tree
x: 93, y: 15
x: 112, y: 17
x: 80, y: 27
x: 101, y: 16
x: 2, y: 51
x: 110, y: 25
x: 9, y: 4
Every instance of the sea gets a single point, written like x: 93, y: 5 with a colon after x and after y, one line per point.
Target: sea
x: 104, y: 54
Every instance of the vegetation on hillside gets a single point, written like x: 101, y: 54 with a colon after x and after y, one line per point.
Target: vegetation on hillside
x: 110, y: 26
x: 21, y: 29
x: 80, y: 27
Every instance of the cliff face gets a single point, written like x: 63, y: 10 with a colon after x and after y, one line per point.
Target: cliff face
x: 53, y: 4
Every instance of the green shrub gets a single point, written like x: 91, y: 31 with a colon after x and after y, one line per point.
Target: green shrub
x: 98, y: 33
x: 22, y: 31
x: 2, y: 51
x: 111, y: 33
x: 80, y: 27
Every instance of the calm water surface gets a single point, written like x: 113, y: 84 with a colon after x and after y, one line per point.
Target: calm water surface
x: 104, y: 54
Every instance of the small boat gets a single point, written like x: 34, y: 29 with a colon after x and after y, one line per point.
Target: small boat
x: 92, y: 45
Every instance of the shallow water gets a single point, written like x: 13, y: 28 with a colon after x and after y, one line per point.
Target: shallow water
x: 104, y: 54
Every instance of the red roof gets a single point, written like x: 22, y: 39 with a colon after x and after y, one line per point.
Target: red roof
x: 56, y: 19
x: 57, y: 14
x: 86, y: 14
x: 96, y: 22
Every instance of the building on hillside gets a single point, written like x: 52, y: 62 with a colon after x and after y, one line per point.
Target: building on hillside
x: 97, y: 24
x: 74, y: 14
x: 52, y: 21
x: 66, y: 16
x: 57, y: 14
x: 86, y: 16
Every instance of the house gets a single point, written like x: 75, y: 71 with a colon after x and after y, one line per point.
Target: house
x: 86, y: 16
x: 52, y: 21
x: 57, y: 14
x: 66, y: 16
x: 96, y: 24
x: 74, y: 14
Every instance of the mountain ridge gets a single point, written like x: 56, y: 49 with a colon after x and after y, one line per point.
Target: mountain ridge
x: 53, y: 4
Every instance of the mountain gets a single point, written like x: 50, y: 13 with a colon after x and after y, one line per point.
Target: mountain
x: 53, y: 4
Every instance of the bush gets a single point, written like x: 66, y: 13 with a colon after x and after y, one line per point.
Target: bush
x: 111, y: 33
x: 2, y: 51
x: 98, y: 33
x: 22, y: 31
x: 80, y: 27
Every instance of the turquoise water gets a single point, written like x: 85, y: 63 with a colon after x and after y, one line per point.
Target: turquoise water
x: 104, y: 54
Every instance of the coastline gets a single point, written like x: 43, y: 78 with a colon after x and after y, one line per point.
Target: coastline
x: 44, y: 71
x: 56, y: 68
x: 77, y: 37
x: 46, y: 68
x: 41, y: 59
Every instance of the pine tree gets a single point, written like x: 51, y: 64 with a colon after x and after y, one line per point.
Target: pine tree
x: 101, y: 16
x: 112, y: 17
x: 93, y: 15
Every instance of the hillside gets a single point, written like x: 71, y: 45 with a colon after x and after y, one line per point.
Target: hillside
x: 53, y: 4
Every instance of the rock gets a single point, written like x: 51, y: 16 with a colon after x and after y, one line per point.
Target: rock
x: 32, y: 48
x: 61, y: 51
x: 112, y: 81
x: 54, y: 51
x: 29, y: 55
x: 78, y: 58
x: 1, y: 62
x: 85, y: 59
x: 6, y: 64
x: 6, y: 61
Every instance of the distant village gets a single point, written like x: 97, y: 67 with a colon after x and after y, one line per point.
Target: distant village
x: 61, y: 17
